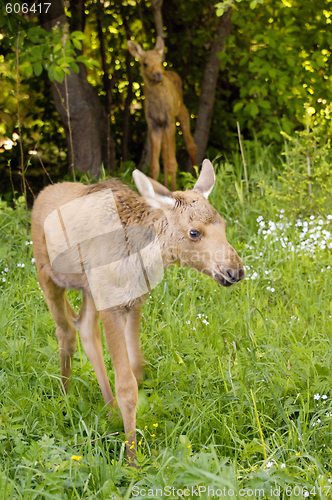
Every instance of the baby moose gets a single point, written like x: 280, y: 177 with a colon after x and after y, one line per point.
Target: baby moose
x: 113, y: 244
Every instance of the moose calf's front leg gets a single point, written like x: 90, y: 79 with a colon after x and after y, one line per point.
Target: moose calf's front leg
x: 125, y: 382
x: 155, y: 138
x: 169, y: 156
x: 133, y: 342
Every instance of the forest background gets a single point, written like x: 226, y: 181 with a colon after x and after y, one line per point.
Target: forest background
x: 262, y: 63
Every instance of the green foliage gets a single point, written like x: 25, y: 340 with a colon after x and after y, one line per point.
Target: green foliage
x: 279, y: 57
x: 222, y: 7
x: 307, y: 174
x: 53, y: 51
x: 275, y: 64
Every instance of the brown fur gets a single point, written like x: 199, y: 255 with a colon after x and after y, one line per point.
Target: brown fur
x: 163, y: 105
x: 173, y: 216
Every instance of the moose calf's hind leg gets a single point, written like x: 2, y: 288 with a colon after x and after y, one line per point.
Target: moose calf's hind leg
x: 125, y: 382
x: 183, y: 118
x: 64, y: 316
x: 90, y: 335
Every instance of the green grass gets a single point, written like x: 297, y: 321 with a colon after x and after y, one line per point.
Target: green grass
x: 231, y: 374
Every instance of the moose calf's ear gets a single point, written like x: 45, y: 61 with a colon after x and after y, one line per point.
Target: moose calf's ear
x: 156, y: 195
x: 135, y: 49
x: 206, y: 180
x: 160, y: 46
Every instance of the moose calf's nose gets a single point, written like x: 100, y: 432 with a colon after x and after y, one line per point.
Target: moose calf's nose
x: 231, y: 275
x: 235, y: 275
x: 157, y: 77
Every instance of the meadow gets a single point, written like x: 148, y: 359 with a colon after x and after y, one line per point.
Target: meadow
x: 236, y: 394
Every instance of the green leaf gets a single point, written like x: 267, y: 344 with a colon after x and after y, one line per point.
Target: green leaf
x: 68, y: 45
x: 265, y: 104
x: 77, y: 44
x: 290, y: 61
x: 82, y: 59
x: 37, y: 69
x: 254, y: 109
x: 78, y: 35
x: 58, y: 74
x: 37, y: 52
x: 253, y: 4
x: 75, y: 67
x: 65, y: 61
x: 272, y: 73
x: 26, y: 69
x: 36, y: 33
x: 238, y: 106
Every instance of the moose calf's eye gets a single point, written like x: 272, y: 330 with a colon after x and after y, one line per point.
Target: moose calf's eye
x: 194, y: 234
x: 145, y: 65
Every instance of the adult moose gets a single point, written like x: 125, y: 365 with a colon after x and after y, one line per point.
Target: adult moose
x: 163, y: 105
x: 189, y: 231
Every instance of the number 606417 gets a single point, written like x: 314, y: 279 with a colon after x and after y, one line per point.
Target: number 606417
x: 17, y: 8
x: 305, y: 491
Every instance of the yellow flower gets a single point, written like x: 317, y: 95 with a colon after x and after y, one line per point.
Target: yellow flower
x: 153, y: 435
x: 155, y: 425
x: 132, y: 446
x: 76, y: 457
x: 298, y: 453
x: 126, y: 442
x: 139, y: 443
x: 189, y: 446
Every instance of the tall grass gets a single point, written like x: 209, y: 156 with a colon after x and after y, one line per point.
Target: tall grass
x: 236, y: 394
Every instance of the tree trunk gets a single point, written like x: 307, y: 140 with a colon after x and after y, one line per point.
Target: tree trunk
x: 129, y: 98
x: 86, y: 129
x: 158, y: 19
x: 209, y: 84
x: 108, y: 87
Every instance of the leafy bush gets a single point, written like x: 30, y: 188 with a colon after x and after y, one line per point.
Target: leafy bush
x: 306, y: 178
